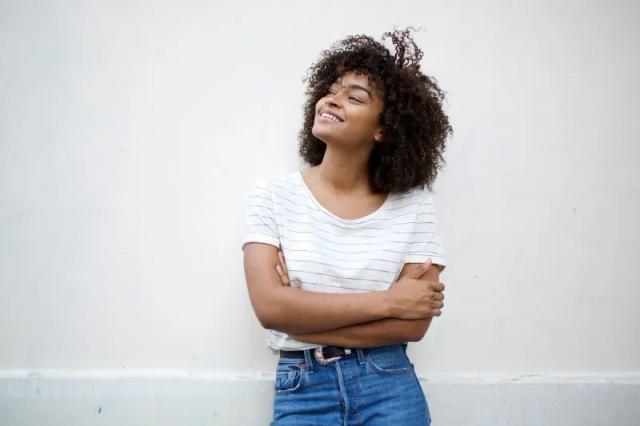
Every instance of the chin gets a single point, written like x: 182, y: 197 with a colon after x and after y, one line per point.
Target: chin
x: 322, y: 133
x: 329, y: 139
x: 319, y: 135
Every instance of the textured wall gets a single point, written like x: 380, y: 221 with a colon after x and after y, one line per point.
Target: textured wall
x: 131, y: 131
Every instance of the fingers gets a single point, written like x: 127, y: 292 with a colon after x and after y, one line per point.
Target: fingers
x: 281, y: 267
x: 438, y: 296
x: 437, y: 303
x: 281, y: 256
x: 420, y: 271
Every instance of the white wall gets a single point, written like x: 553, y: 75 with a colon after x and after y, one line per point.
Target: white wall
x: 130, y: 132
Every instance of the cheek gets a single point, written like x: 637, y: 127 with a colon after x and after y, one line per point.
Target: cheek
x: 321, y: 101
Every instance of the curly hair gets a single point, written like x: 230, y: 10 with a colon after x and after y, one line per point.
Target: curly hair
x: 415, y: 126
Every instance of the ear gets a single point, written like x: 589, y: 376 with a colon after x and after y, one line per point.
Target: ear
x: 378, y: 135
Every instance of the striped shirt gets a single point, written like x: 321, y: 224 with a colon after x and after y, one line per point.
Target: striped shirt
x: 326, y: 253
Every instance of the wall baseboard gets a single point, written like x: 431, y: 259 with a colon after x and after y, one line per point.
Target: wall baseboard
x: 173, y: 398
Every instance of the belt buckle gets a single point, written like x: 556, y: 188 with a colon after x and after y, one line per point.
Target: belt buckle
x: 319, y: 356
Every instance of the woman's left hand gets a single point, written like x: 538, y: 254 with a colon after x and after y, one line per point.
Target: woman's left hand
x: 281, y: 267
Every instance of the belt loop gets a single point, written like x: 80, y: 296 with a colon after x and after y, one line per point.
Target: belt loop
x: 360, y: 353
x: 308, y: 359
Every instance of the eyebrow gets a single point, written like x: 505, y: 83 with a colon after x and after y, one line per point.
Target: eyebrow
x: 357, y: 86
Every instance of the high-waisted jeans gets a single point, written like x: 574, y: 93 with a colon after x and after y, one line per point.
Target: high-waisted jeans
x: 372, y: 389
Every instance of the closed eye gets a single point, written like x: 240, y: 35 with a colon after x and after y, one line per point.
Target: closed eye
x: 350, y: 97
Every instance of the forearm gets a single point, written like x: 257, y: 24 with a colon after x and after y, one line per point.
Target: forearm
x: 296, y: 311
x: 387, y: 331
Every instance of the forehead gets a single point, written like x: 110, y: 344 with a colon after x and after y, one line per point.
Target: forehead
x: 352, y: 77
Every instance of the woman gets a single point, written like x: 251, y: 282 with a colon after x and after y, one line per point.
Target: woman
x: 358, y: 232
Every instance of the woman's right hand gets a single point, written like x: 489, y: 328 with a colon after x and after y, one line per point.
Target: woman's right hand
x: 282, y: 270
x: 414, y: 298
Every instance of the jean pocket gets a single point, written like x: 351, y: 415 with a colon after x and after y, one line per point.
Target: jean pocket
x: 389, y: 361
x: 289, y: 377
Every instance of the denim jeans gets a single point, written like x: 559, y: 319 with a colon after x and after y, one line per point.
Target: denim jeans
x: 372, y: 389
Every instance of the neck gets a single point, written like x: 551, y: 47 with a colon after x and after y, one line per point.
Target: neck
x: 345, y: 174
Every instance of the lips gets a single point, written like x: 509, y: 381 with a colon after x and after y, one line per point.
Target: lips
x: 339, y: 119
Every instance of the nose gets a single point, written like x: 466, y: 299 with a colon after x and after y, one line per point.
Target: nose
x: 331, y: 101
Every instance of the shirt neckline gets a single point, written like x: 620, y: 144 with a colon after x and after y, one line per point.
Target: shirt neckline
x: 338, y: 218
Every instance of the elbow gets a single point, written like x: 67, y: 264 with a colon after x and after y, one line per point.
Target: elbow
x: 415, y: 336
x: 260, y: 310
x: 266, y: 310
x: 271, y: 312
x: 266, y: 316
x: 419, y: 330
x: 264, y: 320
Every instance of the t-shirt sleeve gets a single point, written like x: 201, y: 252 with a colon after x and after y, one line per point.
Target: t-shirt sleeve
x: 425, y: 240
x: 259, y: 215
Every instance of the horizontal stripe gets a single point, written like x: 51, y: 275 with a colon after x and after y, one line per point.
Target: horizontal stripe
x: 337, y: 250
x: 334, y: 266
x: 287, y: 252
x: 380, y: 241
x: 336, y: 286
x: 336, y: 276
x: 315, y: 234
x: 329, y: 254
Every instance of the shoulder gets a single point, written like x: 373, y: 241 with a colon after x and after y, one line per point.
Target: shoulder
x: 417, y: 196
x: 260, y: 187
x: 422, y: 193
x: 418, y: 201
x: 278, y: 184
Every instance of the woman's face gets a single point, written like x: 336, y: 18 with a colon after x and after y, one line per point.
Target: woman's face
x: 356, y: 105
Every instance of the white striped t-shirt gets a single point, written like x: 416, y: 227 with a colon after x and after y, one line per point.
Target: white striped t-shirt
x: 326, y: 253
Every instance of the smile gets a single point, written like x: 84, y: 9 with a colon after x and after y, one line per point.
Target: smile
x: 329, y: 117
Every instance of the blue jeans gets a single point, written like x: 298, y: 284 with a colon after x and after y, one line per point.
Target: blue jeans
x: 376, y: 388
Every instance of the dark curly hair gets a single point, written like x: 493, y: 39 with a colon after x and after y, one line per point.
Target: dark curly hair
x: 415, y: 126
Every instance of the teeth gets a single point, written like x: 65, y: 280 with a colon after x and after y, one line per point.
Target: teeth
x: 330, y: 116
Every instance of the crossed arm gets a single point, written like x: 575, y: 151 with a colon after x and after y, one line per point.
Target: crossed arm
x: 381, y: 332
x: 387, y: 331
